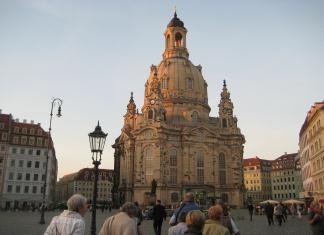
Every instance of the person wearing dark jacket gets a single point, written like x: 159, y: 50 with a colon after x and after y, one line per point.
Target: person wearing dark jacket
x: 158, y: 215
x: 269, y: 213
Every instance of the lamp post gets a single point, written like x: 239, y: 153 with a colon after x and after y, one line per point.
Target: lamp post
x: 59, y: 102
x: 97, y: 140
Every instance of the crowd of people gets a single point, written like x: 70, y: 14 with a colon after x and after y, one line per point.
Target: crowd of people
x: 187, y: 219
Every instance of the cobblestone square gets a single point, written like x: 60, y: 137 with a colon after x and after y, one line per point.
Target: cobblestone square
x: 26, y: 223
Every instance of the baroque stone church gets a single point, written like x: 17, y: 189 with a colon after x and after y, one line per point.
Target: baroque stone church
x: 173, y: 142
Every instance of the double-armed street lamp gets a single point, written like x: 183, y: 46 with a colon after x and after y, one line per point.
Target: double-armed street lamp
x: 59, y: 102
x: 97, y: 140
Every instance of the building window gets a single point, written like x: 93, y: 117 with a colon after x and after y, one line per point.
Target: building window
x: 15, y: 140
x: 27, y: 176
x: 173, y: 166
x: 4, y: 136
x: 31, y: 140
x: 22, y: 151
x: 24, y: 130
x: 1, y: 125
x: 17, y: 188
x: 224, y: 122
x: 37, y: 164
x: 32, y: 131
x: 165, y: 83
x: 38, y: 152
x: 9, y: 188
x: 13, y: 150
x: 26, y: 189
x: 43, y: 177
x: 221, y: 162
x: 39, y: 141
x: 11, y: 175
x: 35, y: 177
x: 194, y: 116
x: 189, y: 83
x: 29, y: 164
x: 19, y: 176
x: 150, y: 114
x: 222, y: 177
x: 178, y: 39
x: 12, y: 163
x: 34, y: 189
x: 16, y: 129
x: 200, y: 167
x: 149, y: 161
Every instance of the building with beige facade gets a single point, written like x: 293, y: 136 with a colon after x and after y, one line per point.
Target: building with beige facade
x: 311, y: 151
x: 285, y: 177
x: 257, y: 179
x: 174, y: 141
x: 81, y: 182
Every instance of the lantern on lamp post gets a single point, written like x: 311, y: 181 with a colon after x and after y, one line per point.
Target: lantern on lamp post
x: 97, y: 140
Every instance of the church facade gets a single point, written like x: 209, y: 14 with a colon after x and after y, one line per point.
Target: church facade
x: 173, y: 145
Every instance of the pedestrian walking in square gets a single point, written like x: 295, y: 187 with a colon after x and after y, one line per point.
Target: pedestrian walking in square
x: 269, y: 213
x: 158, y: 214
x: 70, y: 221
x: 195, y: 221
x: 250, y: 208
x: 181, y: 227
x: 213, y: 225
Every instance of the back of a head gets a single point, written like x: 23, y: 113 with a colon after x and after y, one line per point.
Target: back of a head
x: 76, y: 202
x: 215, y: 212
x: 189, y: 197
x: 195, y: 219
x: 130, y: 209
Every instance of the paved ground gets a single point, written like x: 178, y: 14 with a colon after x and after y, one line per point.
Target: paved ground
x: 26, y: 223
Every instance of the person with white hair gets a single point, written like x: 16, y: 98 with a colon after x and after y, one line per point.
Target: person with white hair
x: 123, y: 223
x: 70, y: 221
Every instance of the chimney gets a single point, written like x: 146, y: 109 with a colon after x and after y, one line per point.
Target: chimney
x: 17, y: 120
x: 38, y: 124
x: 285, y: 153
x: 25, y: 121
x: 31, y: 121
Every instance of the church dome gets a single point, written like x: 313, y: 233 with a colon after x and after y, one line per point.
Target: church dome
x: 176, y: 22
x: 181, y: 82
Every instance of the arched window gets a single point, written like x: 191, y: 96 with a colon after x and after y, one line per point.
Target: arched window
x: 178, y: 40
x: 221, y: 162
x: 173, y: 166
x: 150, y: 114
x: 168, y: 41
x: 224, y: 122
x: 194, y: 116
x: 165, y: 83
x: 222, y: 170
x: 148, y: 161
x: 200, y: 167
x: 189, y: 83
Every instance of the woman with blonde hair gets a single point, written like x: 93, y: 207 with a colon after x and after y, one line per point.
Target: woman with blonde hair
x: 213, y: 226
x: 195, y: 222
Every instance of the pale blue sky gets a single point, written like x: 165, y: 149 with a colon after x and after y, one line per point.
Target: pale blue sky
x: 92, y: 54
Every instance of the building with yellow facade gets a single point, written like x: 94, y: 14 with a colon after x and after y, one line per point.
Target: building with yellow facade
x: 257, y: 179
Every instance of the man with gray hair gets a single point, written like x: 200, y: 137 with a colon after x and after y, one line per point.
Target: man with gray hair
x: 188, y: 204
x: 123, y: 223
x: 70, y: 221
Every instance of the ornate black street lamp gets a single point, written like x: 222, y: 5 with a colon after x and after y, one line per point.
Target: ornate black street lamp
x: 97, y: 141
x: 59, y: 102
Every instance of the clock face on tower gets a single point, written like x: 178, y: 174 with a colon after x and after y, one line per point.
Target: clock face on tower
x: 152, y: 101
